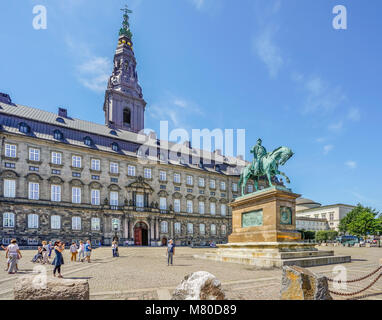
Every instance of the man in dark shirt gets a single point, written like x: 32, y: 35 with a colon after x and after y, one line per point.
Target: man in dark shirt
x: 170, y: 251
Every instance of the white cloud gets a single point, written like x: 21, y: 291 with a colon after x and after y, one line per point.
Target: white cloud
x: 175, y: 110
x: 91, y: 71
x: 198, y: 4
x: 336, y: 126
x: 328, y: 148
x: 354, y: 114
x: 351, y: 164
x: 267, y: 50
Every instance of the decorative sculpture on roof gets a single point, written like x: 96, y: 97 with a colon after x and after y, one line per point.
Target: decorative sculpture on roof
x: 125, y: 30
x: 264, y: 164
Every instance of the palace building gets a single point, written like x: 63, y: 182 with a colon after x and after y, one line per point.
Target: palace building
x: 69, y: 179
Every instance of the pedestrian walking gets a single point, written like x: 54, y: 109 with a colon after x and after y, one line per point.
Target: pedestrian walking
x: 45, y: 252
x: 50, y: 248
x: 73, y: 250
x: 88, y: 251
x: 114, y: 248
x: 58, y: 260
x: 81, y: 252
x: 170, y: 252
x: 13, y: 253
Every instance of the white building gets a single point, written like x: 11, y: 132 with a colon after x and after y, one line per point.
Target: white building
x: 331, y: 213
x: 311, y: 224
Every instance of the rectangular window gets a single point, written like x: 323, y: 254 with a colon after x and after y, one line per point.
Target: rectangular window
x: 202, y: 228
x: 177, y: 205
x: 234, y: 187
x: 189, y: 180
x: 55, y: 193
x: 76, y: 195
x: 131, y: 171
x: 54, y: 171
x: 164, y: 227
x: 222, y: 185
x: 331, y: 216
x: 10, y: 150
x: 177, y: 227
x: 96, y: 224
x: 212, y: 184
x: 95, y: 195
x: 76, y: 223
x: 114, y: 167
x: 176, y: 177
x: 250, y: 188
x: 8, y: 220
x: 201, y: 182
x: 9, y: 188
x: 212, y: 208
x: 57, y: 158
x: 96, y: 165
x: 55, y: 222
x: 201, y: 207
x: 190, y: 228
x: 223, y: 210
x: 34, y: 154
x: 76, y: 161
x: 147, y: 173
x: 189, y: 206
x: 163, y: 204
x: 162, y: 176
x: 224, y: 229
x: 34, y: 191
x: 32, y: 221
x: 139, y: 201
x: 213, y: 229
x: 114, y: 198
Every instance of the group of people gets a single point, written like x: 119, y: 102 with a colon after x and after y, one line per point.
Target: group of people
x: 44, y: 252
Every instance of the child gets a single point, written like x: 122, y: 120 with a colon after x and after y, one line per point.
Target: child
x: 38, y: 257
x: 73, y: 250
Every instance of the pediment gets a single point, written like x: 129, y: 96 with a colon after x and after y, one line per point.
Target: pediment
x: 56, y: 180
x: 140, y: 185
x: 33, y: 177
x: 9, y: 174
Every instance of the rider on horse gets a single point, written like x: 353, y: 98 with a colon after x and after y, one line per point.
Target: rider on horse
x: 258, y: 153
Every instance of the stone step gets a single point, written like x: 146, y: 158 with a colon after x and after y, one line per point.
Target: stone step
x: 274, y: 254
x: 277, y: 262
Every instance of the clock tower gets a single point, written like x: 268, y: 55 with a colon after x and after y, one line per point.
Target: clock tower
x: 124, y: 105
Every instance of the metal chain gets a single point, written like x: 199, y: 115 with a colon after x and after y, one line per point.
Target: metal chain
x: 357, y: 279
x: 359, y: 291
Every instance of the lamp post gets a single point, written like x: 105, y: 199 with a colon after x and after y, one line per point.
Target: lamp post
x: 115, y: 233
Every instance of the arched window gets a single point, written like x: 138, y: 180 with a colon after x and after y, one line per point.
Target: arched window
x: 24, y: 128
x: 58, y: 135
x: 88, y: 141
x: 115, y: 146
x: 126, y: 116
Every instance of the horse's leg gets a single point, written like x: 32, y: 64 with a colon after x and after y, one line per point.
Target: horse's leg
x: 269, y: 179
x: 256, y: 179
x: 286, y: 178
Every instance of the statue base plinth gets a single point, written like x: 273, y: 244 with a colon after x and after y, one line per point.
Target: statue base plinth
x: 267, y: 255
x: 264, y: 233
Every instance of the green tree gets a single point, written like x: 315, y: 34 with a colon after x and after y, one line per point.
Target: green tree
x: 365, y: 223
x: 321, y: 236
x: 346, y: 221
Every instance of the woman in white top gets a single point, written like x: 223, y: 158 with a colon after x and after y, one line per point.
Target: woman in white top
x: 45, y: 252
x: 12, y: 253
x: 81, y: 251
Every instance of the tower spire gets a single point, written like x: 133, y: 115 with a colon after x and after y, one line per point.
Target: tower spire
x: 124, y: 104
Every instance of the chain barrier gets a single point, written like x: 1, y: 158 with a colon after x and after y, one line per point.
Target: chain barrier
x: 357, y: 279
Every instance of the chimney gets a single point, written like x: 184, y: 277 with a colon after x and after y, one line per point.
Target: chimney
x: 153, y: 135
x: 62, y: 112
x: 5, y: 98
x: 240, y: 157
x: 218, y: 152
x: 187, y: 144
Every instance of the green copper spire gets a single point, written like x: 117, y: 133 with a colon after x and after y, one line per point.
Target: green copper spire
x: 125, y: 30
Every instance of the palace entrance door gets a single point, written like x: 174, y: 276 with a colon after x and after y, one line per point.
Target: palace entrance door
x: 141, y: 234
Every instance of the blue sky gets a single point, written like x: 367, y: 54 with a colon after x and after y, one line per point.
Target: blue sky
x: 276, y: 68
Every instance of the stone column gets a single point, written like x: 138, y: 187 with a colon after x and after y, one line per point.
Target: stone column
x: 125, y: 228
x: 172, y: 229
x: 152, y: 223
x: 157, y: 227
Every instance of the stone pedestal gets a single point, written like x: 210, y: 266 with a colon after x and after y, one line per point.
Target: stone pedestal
x: 264, y: 233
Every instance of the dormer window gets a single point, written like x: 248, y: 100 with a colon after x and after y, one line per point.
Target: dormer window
x: 115, y: 146
x: 24, y: 128
x: 126, y: 117
x: 60, y: 120
x: 113, y: 132
x: 88, y: 141
x: 58, y: 135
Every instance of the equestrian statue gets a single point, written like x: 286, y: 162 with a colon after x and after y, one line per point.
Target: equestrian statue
x: 264, y: 164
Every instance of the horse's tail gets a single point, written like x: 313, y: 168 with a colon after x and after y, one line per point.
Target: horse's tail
x: 240, y: 181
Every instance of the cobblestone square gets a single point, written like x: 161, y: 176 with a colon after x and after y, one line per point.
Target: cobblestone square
x: 142, y: 273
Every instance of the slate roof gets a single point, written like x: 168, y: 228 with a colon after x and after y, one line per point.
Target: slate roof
x: 43, y: 123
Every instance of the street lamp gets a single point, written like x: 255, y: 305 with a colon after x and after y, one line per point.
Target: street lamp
x: 115, y: 233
